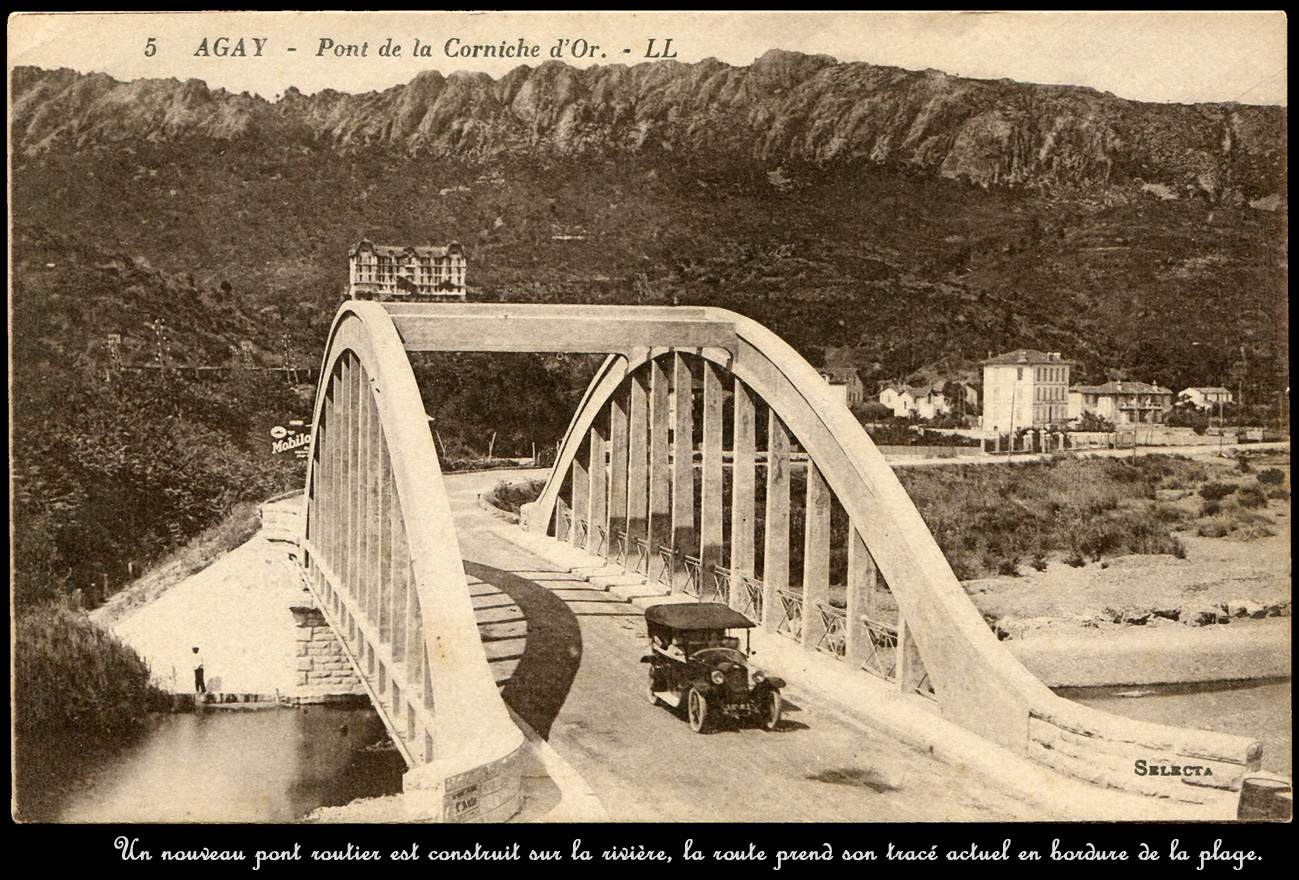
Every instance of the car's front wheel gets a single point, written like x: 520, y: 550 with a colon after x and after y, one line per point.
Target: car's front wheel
x: 649, y: 691
x: 697, y: 709
x: 771, y: 710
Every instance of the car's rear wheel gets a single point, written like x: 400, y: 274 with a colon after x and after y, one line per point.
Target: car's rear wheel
x: 771, y: 710
x: 697, y: 710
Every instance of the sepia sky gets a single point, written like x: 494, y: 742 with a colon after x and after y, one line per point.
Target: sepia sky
x: 1181, y: 57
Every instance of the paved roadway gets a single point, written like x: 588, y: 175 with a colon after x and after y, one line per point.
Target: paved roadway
x: 568, y: 657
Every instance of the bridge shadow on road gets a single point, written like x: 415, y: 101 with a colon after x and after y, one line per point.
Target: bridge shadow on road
x: 552, y: 652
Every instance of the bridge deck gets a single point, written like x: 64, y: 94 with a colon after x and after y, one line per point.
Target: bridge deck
x: 579, y: 679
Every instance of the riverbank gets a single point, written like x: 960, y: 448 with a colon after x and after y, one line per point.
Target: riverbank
x: 237, y: 612
x: 1221, y: 613
x: 1166, y: 654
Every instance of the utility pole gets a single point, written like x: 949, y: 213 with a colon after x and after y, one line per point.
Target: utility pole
x: 1222, y: 431
x: 1010, y: 444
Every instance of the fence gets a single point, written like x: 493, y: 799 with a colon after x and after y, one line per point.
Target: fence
x: 928, y: 451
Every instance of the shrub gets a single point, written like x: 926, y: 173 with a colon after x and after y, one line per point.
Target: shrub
x: 1272, y: 476
x: 1216, y: 491
x: 1279, y: 495
x: 1009, y: 566
x: 512, y: 496
x: 1210, y: 508
x: 1251, y: 496
x: 1162, y: 513
x: 1179, y: 548
x: 1216, y: 527
x: 872, y: 411
x: 71, y: 677
x: 1038, y: 562
x: 1075, y: 559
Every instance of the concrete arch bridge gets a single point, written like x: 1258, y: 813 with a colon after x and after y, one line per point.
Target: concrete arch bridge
x: 678, y: 468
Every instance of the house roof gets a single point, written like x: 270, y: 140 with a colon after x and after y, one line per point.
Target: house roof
x: 839, y: 375
x: 915, y: 392
x: 1023, y: 356
x: 394, y: 250
x: 1214, y: 390
x: 1121, y: 388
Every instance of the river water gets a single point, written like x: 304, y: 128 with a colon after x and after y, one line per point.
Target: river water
x: 219, y: 765
x: 1258, y: 709
x: 277, y: 765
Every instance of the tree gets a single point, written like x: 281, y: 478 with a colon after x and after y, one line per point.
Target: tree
x: 1092, y: 422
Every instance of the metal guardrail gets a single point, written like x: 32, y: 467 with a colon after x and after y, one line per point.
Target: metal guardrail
x: 667, y: 568
x: 752, y: 597
x: 721, y: 588
x: 694, y: 575
x: 790, y: 622
x: 642, y: 565
x: 834, y: 630
x: 883, y: 657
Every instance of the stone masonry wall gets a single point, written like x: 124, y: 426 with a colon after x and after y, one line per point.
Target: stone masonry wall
x: 323, y: 667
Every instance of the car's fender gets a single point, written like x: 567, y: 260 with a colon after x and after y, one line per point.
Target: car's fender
x: 703, y: 685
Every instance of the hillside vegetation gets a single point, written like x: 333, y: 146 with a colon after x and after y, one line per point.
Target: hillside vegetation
x: 901, y: 217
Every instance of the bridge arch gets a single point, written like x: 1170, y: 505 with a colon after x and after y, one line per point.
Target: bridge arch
x: 630, y: 510
x: 381, y: 557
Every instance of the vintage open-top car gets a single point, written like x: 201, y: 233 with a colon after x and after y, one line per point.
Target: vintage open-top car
x: 695, y: 660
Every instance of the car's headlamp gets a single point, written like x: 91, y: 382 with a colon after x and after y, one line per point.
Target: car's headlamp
x: 718, y: 677
x: 759, y: 676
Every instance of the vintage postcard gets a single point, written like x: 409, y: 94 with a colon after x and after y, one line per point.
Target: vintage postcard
x: 651, y: 417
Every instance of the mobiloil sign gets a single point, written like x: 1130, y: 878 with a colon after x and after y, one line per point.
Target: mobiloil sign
x: 296, y: 438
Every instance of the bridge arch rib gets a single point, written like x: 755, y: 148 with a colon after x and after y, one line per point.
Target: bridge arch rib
x: 382, y: 560
x: 614, y: 492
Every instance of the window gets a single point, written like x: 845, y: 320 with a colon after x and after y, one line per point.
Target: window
x: 1019, y: 373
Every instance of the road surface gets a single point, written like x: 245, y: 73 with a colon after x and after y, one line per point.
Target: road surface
x: 568, y: 655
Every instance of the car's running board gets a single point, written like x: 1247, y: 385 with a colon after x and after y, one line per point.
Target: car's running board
x: 671, y: 698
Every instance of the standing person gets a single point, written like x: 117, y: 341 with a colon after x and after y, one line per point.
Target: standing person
x: 199, y: 685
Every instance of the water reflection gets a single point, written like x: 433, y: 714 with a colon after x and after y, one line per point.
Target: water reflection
x: 268, y: 765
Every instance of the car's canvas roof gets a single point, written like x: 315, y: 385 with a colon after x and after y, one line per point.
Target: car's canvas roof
x: 696, y: 615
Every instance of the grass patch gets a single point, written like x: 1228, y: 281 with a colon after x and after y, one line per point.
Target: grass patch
x: 986, y: 519
x: 1235, y: 522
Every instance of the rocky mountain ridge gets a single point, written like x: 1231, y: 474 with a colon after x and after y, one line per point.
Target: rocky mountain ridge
x: 784, y: 107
